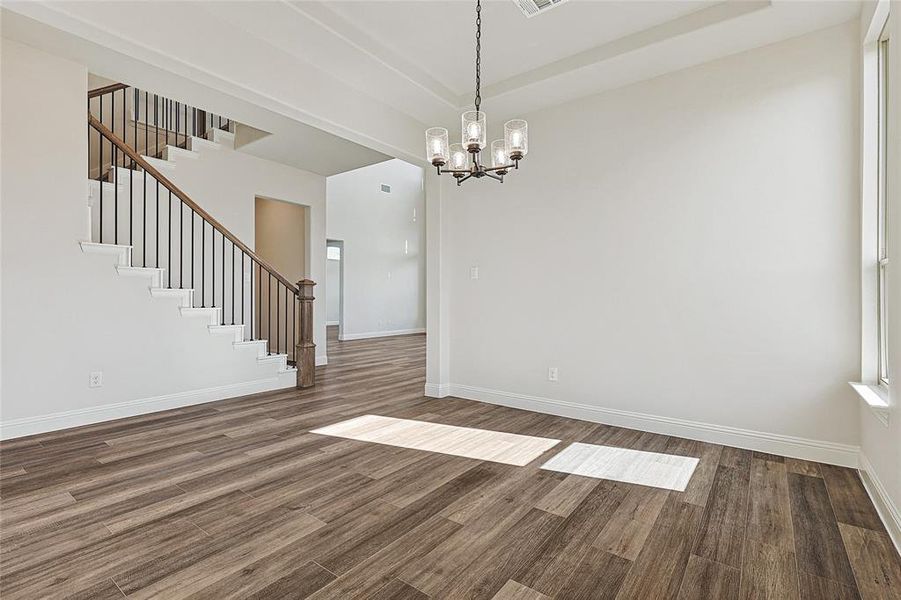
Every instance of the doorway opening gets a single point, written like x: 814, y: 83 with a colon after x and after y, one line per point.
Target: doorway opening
x: 334, y: 288
x: 281, y: 234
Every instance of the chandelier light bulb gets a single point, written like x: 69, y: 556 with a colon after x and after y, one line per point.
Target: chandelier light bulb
x: 457, y: 156
x: 499, y: 157
x: 436, y: 144
x: 516, y: 137
x: 475, y: 127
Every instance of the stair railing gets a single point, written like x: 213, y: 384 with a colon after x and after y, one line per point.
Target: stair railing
x: 195, y: 252
x: 147, y: 122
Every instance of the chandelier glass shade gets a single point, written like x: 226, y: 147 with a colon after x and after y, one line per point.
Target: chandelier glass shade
x: 464, y: 160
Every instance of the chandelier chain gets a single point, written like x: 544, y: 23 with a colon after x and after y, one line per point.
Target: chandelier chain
x: 478, y: 54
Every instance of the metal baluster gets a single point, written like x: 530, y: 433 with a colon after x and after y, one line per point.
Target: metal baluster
x: 269, y: 313
x: 169, y: 240
x: 115, y: 173
x: 233, y: 283
x: 157, y: 230
x: 260, y: 308
x: 144, y: 220
x: 223, y: 279
x: 156, y: 123
x: 137, y: 116
x: 242, y: 291
x: 131, y: 179
x: 213, y: 269
x: 146, y: 124
x: 100, y: 169
x: 293, y: 332
x: 277, y: 297
x: 286, y: 321
x: 202, y: 264
x: 192, y: 252
x: 181, y: 245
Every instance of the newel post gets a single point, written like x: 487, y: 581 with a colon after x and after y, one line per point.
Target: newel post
x: 305, y: 350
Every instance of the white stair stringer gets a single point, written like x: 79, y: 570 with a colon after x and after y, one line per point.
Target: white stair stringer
x: 209, y: 313
x: 185, y: 296
x: 171, y: 153
x: 219, y: 136
x: 196, y: 144
x: 284, y: 375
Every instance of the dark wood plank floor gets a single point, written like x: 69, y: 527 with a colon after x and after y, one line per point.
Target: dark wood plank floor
x: 236, y: 499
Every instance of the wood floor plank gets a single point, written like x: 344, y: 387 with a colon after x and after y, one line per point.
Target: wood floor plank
x: 708, y: 579
x: 769, y: 505
x: 398, y: 590
x: 768, y: 572
x: 660, y: 567
x: 876, y: 563
x: 849, y: 498
x: 513, y: 554
x: 513, y: 590
x: 598, y: 576
x: 298, y: 584
x: 813, y: 587
x: 625, y: 533
x: 238, y: 499
x: 722, y: 532
x: 818, y: 543
x: 572, y: 540
x: 104, y: 590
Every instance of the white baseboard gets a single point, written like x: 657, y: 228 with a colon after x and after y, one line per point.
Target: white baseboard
x: 773, y: 443
x: 887, y: 510
x: 321, y: 360
x: 97, y: 414
x: 437, y: 390
x: 377, y: 334
x: 330, y: 323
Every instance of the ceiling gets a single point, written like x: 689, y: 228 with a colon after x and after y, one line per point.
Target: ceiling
x: 439, y: 36
x: 375, y: 73
x: 418, y: 56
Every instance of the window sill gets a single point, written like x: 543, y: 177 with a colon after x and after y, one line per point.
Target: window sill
x: 875, y: 397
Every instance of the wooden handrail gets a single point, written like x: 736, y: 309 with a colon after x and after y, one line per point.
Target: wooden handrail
x: 113, y: 87
x: 148, y: 168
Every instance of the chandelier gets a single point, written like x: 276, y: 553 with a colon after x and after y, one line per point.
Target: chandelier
x: 465, y: 159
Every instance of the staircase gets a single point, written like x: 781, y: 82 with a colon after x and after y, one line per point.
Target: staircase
x: 155, y: 232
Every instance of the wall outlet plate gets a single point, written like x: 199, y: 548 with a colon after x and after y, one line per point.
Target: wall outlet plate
x: 473, y: 272
x: 95, y: 379
x: 552, y: 374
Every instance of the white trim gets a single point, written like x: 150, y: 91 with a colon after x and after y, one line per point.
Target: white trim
x: 835, y: 453
x: 97, y: 414
x: 332, y: 323
x: 876, y: 399
x: 321, y: 360
x: 435, y: 390
x: 377, y: 334
x: 888, y: 512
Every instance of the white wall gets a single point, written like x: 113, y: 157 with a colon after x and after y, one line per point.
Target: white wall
x: 66, y: 313
x: 384, y: 248
x: 685, y: 247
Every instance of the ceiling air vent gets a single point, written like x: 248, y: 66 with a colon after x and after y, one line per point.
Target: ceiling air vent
x: 386, y: 188
x: 530, y: 8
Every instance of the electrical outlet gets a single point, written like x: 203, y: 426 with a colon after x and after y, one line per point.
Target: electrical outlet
x: 473, y: 272
x: 552, y: 374
x: 95, y: 379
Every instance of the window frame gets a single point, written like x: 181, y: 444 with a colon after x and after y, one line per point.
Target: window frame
x: 882, y: 53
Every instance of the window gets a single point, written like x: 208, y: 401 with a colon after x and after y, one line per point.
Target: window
x: 333, y: 252
x: 882, y: 192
